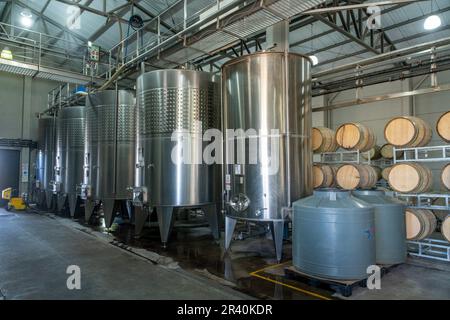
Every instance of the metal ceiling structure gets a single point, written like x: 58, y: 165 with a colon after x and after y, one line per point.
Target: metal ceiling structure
x: 207, y: 33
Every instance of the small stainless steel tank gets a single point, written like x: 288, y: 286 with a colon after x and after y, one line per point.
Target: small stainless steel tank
x: 110, y: 150
x: 70, y: 144
x: 268, y: 96
x: 333, y: 235
x: 390, y: 226
x: 171, y: 101
x: 45, y: 160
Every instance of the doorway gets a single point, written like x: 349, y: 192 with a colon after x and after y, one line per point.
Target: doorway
x: 9, y: 171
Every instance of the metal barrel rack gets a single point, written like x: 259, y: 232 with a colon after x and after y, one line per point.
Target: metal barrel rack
x: 430, y: 248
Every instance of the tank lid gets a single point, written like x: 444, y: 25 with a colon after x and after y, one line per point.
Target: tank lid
x: 333, y: 200
x: 377, y: 198
x: 372, y: 192
x: 245, y: 57
x: 331, y: 192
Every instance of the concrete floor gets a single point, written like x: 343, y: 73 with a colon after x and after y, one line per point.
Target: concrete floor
x: 35, y: 251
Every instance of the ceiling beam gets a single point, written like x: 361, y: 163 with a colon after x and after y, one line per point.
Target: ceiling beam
x: 97, y: 34
x: 358, y: 6
x: 391, y: 27
x: 6, y: 13
x: 354, y: 54
x: 90, y: 9
x: 347, y: 34
x: 51, y: 21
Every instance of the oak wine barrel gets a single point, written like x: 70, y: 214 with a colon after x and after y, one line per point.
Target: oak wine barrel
x: 324, y: 176
x: 445, y: 228
x: 408, y: 132
x: 374, y: 153
x: 385, y: 173
x: 410, y: 178
x: 445, y: 176
x: 356, y: 176
x: 323, y: 140
x: 355, y: 136
x: 443, y: 126
x: 387, y: 151
x: 420, y: 223
x: 378, y: 171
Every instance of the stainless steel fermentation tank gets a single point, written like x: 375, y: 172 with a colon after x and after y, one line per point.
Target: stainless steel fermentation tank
x: 268, y: 94
x: 45, y: 160
x: 110, y: 150
x: 173, y: 101
x: 70, y: 144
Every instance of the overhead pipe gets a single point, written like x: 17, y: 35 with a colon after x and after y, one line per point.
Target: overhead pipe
x: 425, y: 47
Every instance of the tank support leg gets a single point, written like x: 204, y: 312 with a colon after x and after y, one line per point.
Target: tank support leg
x: 48, y: 199
x: 165, y: 219
x: 108, y: 211
x: 41, y: 199
x: 73, y: 200
x: 277, y: 228
x: 61, y: 202
x: 129, y: 207
x: 88, y: 209
x: 230, y: 224
x: 140, y: 217
x: 211, y: 215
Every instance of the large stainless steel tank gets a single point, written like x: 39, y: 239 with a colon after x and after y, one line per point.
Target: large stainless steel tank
x: 70, y: 144
x: 110, y: 150
x: 45, y: 160
x: 174, y: 101
x: 333, y: 235
x: 268, y: 92
x: 390, y: 226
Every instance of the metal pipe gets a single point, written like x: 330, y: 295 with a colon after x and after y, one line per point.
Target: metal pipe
x: 384, y: 57
x: 398, y: 95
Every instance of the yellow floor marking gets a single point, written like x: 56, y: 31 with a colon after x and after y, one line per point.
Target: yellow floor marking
x: 255, y: 274
x: 270, y: 267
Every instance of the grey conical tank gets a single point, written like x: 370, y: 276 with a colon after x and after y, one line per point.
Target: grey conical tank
x: 333, y: 235
x: 390, y: 226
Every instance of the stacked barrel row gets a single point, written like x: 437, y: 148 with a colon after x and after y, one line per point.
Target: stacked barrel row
x: 349, y: 136
x: 347, y: 176
x: 413, y: 177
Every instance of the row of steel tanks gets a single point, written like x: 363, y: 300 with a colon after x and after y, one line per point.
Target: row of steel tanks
x: 153, y: 145
x: 86, y: 154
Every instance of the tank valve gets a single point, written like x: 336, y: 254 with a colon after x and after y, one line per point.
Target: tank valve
x: 85, y: 191
x: 55, y: 186
x: 140, y: 196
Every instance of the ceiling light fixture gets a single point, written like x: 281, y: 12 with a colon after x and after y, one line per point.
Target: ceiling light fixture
x: 432, y: 22
x: 314, y: 60
x: 26, y: 18
x: 6, y: 54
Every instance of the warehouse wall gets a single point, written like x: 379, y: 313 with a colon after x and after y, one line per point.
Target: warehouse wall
x: 375, y: 115
x: 20, y: 99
